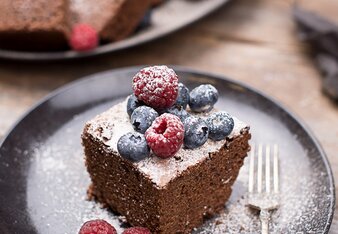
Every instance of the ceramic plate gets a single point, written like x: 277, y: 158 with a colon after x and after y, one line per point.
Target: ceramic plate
x: 167, y: 18
x: 43, y: 179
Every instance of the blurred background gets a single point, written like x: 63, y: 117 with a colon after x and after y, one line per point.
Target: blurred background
x: 265, y: 44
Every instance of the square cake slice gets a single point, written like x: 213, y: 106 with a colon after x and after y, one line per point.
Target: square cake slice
x: 167, y: 196
x: 34, y: 25
x: 112, y: 19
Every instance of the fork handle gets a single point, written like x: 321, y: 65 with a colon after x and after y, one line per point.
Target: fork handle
x: 265, y: 218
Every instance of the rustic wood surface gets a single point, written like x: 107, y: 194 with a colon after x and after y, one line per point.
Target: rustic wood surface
x: 251, y: 41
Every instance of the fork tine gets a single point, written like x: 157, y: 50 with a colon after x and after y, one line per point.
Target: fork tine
x: 251, y: 169
x: 259, y: 200
x: 275, y: 169
x: 267, y: 168
x: 259, y: 168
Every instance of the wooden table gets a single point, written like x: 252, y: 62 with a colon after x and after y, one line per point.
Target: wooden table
x: 251, y: 41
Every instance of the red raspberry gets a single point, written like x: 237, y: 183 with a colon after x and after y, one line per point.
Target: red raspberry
x: 136, y: 230
x: 83, y: 37
x: 97, y: 226
x: 165, y: 135
x: 156, y: 86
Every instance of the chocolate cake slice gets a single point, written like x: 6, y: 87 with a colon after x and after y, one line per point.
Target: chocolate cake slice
x: 155, y: 3
x: 167, y: 196
x: 112, y: 19
x: 33, y: 25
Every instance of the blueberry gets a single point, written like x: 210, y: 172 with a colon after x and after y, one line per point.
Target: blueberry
x: 178, y: 111
x: 132, y: 104
x: 133, y: 146
x: 183, y: 96
x: 142, y: 118
x: 196, y: 132
x: 220, y: 125
x: 203, y: 98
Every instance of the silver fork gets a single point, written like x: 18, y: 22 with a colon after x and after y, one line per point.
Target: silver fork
x: 264, y: 197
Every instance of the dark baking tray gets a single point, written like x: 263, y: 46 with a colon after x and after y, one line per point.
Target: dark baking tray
x: 167, y: 18
x: 43, y: 179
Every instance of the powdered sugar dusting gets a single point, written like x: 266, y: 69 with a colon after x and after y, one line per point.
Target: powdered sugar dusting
x: 57, y: 185
x: 115, y: 122
x: 299, y: 203
x: 57, y: 181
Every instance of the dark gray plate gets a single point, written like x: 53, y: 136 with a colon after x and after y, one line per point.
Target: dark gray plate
x: 167, y: 18
x: 43, y: 179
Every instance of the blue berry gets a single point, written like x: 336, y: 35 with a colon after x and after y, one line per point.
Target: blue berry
x: 196, y: 132
x: 203, y: 98
x: 132, y: 104
x: 183, y: 96
x: 178, y: 111
x: 133, y: 146
x: 142, y: 118
x: 220, y: 125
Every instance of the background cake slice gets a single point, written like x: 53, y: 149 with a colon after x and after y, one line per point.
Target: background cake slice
x: 171, y: 195
x: 112, y: 19
x: 33, y: 25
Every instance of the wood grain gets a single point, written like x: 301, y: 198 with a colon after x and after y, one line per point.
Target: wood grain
x: 251, y: 41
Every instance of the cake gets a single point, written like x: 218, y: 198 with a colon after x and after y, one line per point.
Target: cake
x: 112, y: 19
x: 33, y: 25
x: 166, y: 194
x: 155, y: 3
x: 48, y: 25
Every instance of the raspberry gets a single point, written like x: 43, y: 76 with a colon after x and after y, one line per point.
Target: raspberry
x: 156, y: 86
x: 83, y: 37
x: 165, y: 135
x: 136, y: 230
x: 97, y: 226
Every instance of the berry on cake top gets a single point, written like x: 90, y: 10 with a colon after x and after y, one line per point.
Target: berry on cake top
x: 203, y: 98
x: 163, y: 123
x: 142, y: 118
x: 196, y: 132
x: 165, y: 136
x: 183, y: 96
x: 220, y: 125
x: 133, y: 146
x: 156, y: 86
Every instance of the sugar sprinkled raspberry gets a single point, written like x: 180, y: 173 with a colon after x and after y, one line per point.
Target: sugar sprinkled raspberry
x: 97, y: 226
x: 156, y: 86
x: 136, y: 230
x: 83, y: 38
x: 165, y: 135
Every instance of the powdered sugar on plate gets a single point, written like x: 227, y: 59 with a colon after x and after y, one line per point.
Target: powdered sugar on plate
x: 57, y: 182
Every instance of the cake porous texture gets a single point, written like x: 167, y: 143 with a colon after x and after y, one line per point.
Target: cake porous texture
x: 172, y: 195
x: 34, y: 25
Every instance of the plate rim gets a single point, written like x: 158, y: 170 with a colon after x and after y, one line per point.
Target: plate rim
x: 127, y: 43
x: 184, y: 69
